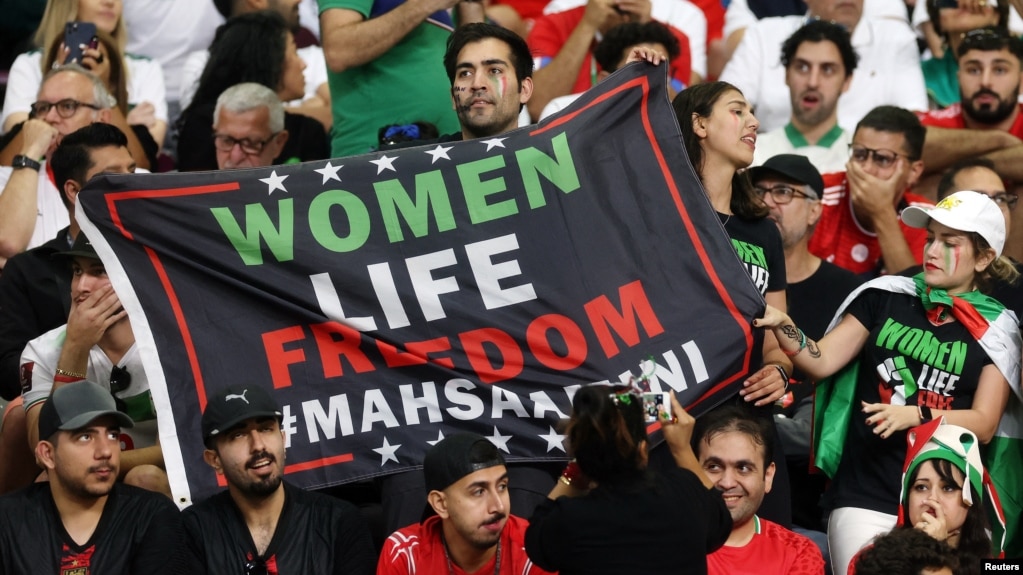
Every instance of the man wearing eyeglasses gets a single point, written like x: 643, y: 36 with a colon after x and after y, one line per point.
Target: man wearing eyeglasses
x: 261, y: 524
x: 859, y: 229
x: 31, y: 211
x: 248, y: 127
x: 791, y: 187
x: 97, y: 344
x: 81, y: 522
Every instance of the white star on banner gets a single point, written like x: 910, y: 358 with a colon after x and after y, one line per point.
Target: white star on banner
x: 384, y: 163
x: 554, y: 440
x: 494, y: 143
x: 329, y: 172
x: 275, y: 182
x: 440, y: 437
x: 387, y: 452
x: 500, y: 441
x: 439, y: 152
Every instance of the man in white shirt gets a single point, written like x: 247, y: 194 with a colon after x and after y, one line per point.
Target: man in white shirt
x: 889, y: 66
x: 819, y: 62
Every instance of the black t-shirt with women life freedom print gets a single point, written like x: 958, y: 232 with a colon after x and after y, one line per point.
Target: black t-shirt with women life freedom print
x: 758, y: 245
x: 943, y: 361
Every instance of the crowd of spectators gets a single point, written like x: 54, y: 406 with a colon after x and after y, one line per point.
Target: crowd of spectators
x: 864, y: 149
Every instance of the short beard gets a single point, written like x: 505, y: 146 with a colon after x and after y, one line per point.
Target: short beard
x: 264, y: 488
x: 82, y: 491
x: 991, y: 115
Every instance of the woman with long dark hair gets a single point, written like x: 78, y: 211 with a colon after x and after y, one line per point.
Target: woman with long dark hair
x: 254, y: 47
x: 608, y: 514
x: 719, y: 132
x: 943, y: 495
x: 883, y: 377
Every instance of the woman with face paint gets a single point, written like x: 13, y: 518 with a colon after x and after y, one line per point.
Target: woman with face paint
x: 719, y: 132
x: 901, y: 352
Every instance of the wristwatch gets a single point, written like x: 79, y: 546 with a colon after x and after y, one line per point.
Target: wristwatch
x: 21, y: 161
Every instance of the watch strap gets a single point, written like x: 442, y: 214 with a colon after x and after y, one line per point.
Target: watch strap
x: 22, y: 161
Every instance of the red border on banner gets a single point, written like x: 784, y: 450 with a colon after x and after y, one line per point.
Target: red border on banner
x: 644, y: 84
x: 641, y: 83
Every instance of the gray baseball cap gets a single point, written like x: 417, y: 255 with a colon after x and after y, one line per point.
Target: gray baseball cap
x: 76, y: 405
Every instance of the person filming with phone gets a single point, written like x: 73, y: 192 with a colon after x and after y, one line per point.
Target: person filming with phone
x: 78, y: 23
x: 609, y: 514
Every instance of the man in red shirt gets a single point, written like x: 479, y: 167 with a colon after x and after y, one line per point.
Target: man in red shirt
x: 859, y: 228
x: 562, y: 44
x: 734, y: 447
x: 467, y: 528
x: 987, y: 121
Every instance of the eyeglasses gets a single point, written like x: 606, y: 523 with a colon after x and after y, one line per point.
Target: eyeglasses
x: 226, y: 143
x: 257, y: 567
x: 1007, y: 199
x: 780, y: 195
x: 881, y: 158
x: 65, y: 108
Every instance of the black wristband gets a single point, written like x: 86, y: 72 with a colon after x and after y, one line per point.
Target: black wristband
x: 925, y: 414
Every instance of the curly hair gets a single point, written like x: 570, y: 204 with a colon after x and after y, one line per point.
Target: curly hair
x: 247, y: 48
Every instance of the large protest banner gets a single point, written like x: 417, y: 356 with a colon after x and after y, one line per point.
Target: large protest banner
x: 393, y: 298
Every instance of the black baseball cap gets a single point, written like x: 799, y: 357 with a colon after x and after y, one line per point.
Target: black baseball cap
x: 453, y: 458
x: 81, y: 248
x: 793, y: 167
x: 234, y: 404
x: 75, y: 405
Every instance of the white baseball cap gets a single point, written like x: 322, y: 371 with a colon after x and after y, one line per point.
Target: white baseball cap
x: 964, y: 211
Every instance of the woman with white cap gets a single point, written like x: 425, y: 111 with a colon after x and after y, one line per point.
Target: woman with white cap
x: 902, y: 351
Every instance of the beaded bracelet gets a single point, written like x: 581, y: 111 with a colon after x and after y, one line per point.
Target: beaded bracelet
x: 802, y: 345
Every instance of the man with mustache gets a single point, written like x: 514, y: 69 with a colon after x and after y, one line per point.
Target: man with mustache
x: 262, y: 524
x: 82, y: 520
x: 819, y: 61
x: 987, y: 120
x: 734, y: 448
x: 466, y: 528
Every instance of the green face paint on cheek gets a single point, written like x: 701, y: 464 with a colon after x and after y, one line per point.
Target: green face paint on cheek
x: 951, y: 254
x: 499, y: 85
